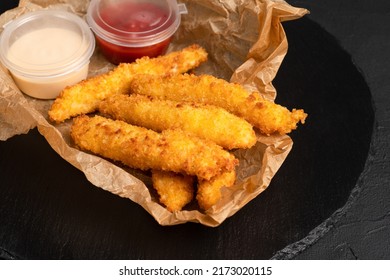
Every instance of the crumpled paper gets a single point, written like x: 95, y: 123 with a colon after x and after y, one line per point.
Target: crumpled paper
x: 246, y: 44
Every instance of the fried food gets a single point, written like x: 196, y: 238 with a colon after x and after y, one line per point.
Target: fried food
x: 138, y: 147
x: 85, y: 96
x: 174, y: 190
x: 267, y: 116
x: 209, y: 191
x: 204, y: 121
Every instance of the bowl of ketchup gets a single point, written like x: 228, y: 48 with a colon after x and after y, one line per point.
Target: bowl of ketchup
x: 129, y: 29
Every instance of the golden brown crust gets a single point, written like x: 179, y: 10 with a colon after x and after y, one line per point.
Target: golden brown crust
x: 174, y: 190
x: 193, y: 118
x: 267, y: 116
x: 138, y: 147
x: 204, y: 121
x: 84, y: 97
x: 209, y: 191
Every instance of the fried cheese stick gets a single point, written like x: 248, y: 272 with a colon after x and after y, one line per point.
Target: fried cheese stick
x: 138, y: 147
x: 85, y: 96
x: 267, y: 116
x: 209, y: 191
x: 174, y: 190
x: 204, y: 121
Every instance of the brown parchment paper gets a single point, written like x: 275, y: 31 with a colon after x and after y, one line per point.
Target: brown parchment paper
x: 246, y: 44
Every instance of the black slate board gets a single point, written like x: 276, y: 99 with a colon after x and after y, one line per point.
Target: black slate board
x: 48, y: 210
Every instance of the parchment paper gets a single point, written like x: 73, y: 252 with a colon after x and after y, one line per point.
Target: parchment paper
x: 246, y: 44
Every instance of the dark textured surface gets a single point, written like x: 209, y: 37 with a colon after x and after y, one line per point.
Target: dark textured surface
x: 328, y: 201
x: 361, y: 229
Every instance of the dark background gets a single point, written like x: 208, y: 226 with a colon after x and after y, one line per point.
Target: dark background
x: 330, y: 200
x: 362, y: 28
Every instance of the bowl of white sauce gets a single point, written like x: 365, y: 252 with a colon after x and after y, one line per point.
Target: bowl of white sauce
x: 46, y: 50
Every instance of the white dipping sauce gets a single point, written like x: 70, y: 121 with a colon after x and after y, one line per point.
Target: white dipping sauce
x: 39, y: 49
x: 44, y: 46
x: 46, y: 51
x: 49, y: 88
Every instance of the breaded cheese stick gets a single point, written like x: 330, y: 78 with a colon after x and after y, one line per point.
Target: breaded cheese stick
x: 138, y: 147
x: 205, y: 121
x: 85, y: 96
x: 209, y: 191
x: 174, y: 190
x: 267, y: 116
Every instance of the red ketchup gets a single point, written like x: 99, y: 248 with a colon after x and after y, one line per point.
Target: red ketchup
x: 127, y: 30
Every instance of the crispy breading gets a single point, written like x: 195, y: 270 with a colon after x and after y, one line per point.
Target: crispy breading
x: 85, y: 96
x: 138, y: 147
x: 205, y: 121
x: 174, y: 190
x: 209, y: 191
x: 267, y: 116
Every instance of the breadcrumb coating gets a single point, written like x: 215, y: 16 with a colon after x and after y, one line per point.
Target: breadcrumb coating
x: 138, y: 147
x: 267, y: 116
x: 84, y: 97
x: 174, y: 190
x: 209, y: 191
x: 204, y: 121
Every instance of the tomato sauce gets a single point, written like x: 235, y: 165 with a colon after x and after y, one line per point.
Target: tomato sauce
x: 131, y: 21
